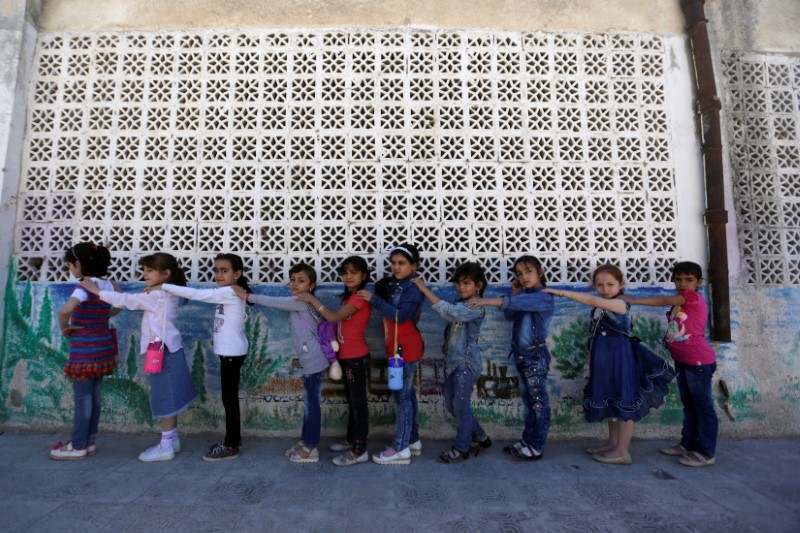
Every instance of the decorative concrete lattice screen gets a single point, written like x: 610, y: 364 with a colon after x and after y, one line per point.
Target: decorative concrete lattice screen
x: 297, y: 145
x: 764, y: 112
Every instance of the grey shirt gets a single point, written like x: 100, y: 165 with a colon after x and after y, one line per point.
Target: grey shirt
x: 306, y: 345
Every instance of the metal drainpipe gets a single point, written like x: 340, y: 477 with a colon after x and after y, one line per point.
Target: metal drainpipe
x: 716, y: 216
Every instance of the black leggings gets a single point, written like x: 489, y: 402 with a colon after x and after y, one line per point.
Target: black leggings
x: 229, y: 370
x: 354, y: 374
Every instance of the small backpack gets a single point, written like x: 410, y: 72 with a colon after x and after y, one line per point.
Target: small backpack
x: 326, y: 336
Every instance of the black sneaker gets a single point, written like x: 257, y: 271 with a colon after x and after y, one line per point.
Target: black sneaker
x: 220, y: 452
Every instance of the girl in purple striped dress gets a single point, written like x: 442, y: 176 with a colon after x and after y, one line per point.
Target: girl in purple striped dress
x: 92, y: 349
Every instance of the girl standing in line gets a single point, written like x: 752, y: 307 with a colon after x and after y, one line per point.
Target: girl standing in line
x: 171, y: 390
x: 399, y: 302
x: 352, y: 319
x: 230, y: 344
x: 462, y: 358
x: 614, y: 390
x: 531, y: 309
x: 303, y: 321
x: 92, y: 352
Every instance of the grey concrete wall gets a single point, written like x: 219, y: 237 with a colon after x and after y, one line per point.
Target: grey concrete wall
x: 18, y: 21
x: 651, y: 16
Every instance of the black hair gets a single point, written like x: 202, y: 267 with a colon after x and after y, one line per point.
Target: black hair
x: 236, y: 264
x: 408, y: 250
x: 94, y: 258
x: 473, y: 271
x: 312, y: 275
x: 360, y: 264
x: 530, y: 260
x: 688, y: 268
x: 162, y: 262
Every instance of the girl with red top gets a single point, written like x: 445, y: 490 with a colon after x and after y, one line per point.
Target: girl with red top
x: 399, y: 302
x: 352, y: 319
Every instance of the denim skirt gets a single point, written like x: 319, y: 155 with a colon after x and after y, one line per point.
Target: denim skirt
x: 171, y: 390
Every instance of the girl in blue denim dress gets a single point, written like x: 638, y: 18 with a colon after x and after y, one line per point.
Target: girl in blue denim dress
x: 625, y: 379
x: 531, y: 309
x: 462, y: 358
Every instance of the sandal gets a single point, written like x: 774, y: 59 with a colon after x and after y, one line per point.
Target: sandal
x: 676, y: 450
x: 305, y: 455
x: 453, y: 456
x: 296, y: 446
x: 696, y: 459
x: 476, y: 446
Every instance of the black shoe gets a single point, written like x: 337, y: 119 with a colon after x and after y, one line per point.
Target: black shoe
x: 453, y: 456
x: 477, y: 445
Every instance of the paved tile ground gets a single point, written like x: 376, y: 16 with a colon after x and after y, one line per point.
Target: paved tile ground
x: 755, y: 486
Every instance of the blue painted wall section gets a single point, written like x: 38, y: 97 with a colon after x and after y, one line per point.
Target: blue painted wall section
x: 36, y: 395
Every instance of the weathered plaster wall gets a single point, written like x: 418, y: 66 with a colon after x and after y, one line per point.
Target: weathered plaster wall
x: 766, y: 25
x: 653, y: 16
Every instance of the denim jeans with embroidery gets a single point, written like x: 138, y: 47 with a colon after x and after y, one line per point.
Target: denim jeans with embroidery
x: 458, y: 402
x: 312, y: 417
x: 532, y: 369
x: 406, y: 428
x: 87, y: 411
x: 700, y: 423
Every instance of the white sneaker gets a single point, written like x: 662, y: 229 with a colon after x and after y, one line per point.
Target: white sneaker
x: 403, y: 457
x: 416, y: 448
x: 157, y: 453
x: 91, y: 449
x: 176, y: 445
x: 65, y: 452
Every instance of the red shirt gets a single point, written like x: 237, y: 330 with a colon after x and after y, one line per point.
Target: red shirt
x: 352, y: 343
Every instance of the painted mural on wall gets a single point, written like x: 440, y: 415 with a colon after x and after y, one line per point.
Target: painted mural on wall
x: 35, y: 394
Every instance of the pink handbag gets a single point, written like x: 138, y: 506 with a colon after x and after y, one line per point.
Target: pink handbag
x: 154, y: 357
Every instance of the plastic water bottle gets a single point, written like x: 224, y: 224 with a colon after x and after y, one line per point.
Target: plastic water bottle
x: 396, y: 370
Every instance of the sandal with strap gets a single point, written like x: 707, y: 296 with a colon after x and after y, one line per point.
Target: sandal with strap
x: 696, y: 459
x: 453, y: 456
x: 476, y: 446
x: 305, y: 455
x: 293, y: 448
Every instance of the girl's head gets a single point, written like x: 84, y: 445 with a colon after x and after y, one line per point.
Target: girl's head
x: 161, y: 268
x: 608, y: 281
x: 87, y: 259
x: 470, y: 280
x: 302, y: 278
x: 405, y: 260
x: 529, y: 272
x: 355, y: 275
x: 229, y: 270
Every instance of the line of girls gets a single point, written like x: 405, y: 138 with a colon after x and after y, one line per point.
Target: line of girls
x: 624, y: 380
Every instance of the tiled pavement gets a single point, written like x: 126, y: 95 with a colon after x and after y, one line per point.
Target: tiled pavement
x: 755, y: 486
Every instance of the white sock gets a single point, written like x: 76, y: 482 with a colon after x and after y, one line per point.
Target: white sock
x: 168, y: 436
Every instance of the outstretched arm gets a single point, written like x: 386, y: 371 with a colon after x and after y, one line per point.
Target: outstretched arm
x: 615, y: 305
x: 432, y: 298
x: 344, y: 312
x: 659, y: 301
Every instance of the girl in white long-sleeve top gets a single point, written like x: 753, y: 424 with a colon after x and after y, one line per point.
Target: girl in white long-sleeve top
x: 230, y: 344
x: 171, y: 390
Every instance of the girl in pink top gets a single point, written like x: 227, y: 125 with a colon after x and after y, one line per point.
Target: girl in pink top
x: 352, y: 318
x: 695, y: 363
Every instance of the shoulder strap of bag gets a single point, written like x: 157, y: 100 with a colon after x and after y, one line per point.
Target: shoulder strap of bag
x: 312, y: 330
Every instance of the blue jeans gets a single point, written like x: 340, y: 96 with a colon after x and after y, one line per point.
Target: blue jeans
x: 87, y: 411
x: 532, y: 372
x: 406, y: 429
x: 458, y: 402
x: 700, y: 423
x: 312, y: 417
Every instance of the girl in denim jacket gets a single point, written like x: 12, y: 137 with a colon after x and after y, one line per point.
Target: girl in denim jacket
x: 462, y: 358
x: 531, y: 309
x: 399, y: 302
